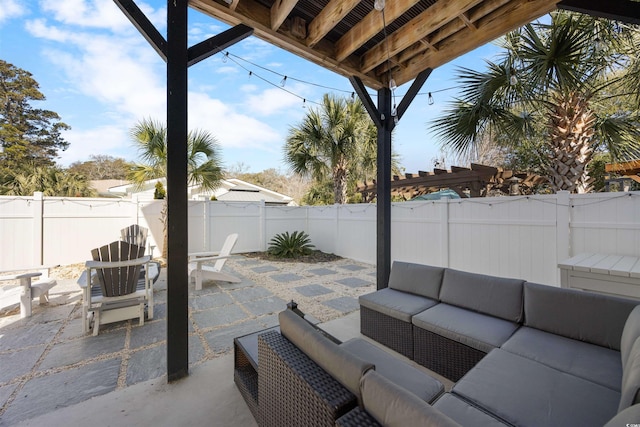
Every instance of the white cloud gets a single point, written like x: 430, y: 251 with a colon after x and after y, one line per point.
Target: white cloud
x: 112, y: 140
x: 273, y: 100
x: 11, y: 9
x: 232, y: 129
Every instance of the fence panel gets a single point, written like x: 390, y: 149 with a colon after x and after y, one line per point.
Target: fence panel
x: 280, y: 219
x: 419, y: 233
x: 356, y: 232
x: 322, y: 227
x: 17, y: 232
x: 235, y: 217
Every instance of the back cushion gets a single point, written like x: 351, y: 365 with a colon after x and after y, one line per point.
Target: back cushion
x: 417, y: 279
x: 630, y: 333
x: 495, y: 296
x: 630, y: 392
x: 585, y: 316
x: 393, y: 406
x: 342, y: 365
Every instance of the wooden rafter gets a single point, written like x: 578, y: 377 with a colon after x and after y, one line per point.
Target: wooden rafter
x: 346, y: 36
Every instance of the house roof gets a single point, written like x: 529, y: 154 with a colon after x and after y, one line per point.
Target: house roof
x: 352, y: 38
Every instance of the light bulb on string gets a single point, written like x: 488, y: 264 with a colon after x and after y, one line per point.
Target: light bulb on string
x: 224, y: 57
x: 392, y: 84
x: 250, y: 74
x: 394, y: 114
x: 430, y: 99
x: 304, y: 103
x: 513, y: 80
x: 353, y: 95
x: 379, y: 5
x: 283, y: 81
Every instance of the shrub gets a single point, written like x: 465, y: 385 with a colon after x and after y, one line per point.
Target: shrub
x: 290, y: 246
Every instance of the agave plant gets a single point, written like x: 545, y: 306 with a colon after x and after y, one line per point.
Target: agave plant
x: 293, y: 245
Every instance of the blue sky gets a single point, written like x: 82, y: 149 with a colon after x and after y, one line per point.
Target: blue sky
x: 102, y: 77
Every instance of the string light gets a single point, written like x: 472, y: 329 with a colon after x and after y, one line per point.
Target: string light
x: 283, y: 82
x: 304, y: 103
x: 379, y: 5
x: 392, y: 84
x: 430, y: 100
x: 225, y: 57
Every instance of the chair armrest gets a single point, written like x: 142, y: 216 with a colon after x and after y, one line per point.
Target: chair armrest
x: 213, y: 258
x: 20, y: 276
x: 203, y: 254
x: 114, y: 264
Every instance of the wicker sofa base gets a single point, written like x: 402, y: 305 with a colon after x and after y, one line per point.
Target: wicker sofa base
x: 294, y: 390
x: 448, y: 358
x: 387, y: 330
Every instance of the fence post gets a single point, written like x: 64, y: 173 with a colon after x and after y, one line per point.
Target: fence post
x: 336, y: 229
x: 563, y: 229
x: 38, y: 228
x: 444, y: 231
x: 207, y: 229
x: 263, y: 224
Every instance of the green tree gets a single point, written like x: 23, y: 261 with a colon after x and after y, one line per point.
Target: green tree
x: 334, y: 141
x: 29, y: 137
x: 550, y: 94
x: 202, y: 157
x: 101, y: 166
x: 51, y: 181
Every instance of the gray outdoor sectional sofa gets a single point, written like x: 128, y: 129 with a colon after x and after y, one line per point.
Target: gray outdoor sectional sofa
x: 522, y: 354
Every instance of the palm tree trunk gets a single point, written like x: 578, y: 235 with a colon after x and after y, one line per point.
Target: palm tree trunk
x: 340, y: 185
x: 572, y: 131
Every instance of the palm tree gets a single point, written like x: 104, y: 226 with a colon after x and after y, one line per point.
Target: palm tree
x: 203, y: 160
x: 51, y: 181
x: 332, y: 142
x: 552, y: 91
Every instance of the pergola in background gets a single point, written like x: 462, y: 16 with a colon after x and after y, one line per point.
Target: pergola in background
x: 374, y: 45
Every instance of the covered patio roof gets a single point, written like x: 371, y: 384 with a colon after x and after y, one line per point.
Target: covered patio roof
x: 406, y: 37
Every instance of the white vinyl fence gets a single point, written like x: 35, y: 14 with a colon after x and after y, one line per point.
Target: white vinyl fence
x: 523, y: 237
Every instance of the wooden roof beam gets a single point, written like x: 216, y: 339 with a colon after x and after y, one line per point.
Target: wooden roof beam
x: 418, y: 28
x: 510, y: 16
x: 279, y: 12
x: 620, y: 10
x: 369, y: 26
x: 328, y: 18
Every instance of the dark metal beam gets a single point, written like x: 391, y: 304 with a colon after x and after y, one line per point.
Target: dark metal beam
x: 146, y: 28
x: 412, y: 92
x: 383, y: 203
x: 177, y: 208
x: 620, y: 10
x: 358, y: 86
x: 217, y: 43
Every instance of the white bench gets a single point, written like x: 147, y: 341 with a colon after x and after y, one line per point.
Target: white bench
x: 28, y: 289
x: 605, y: 273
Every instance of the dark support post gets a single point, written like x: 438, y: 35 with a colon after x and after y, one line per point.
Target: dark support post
x: 383, y: 205
x: 177, y: 229
x: 385, y: 123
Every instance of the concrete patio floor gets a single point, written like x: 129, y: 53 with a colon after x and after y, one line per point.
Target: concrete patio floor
x: 50, y: 372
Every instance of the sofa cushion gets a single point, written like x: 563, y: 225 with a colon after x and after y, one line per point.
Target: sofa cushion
x: 395, y: 370
x: 628, y: 417
x: 396, y: 304
x: 630, y: 393
x: 585, y: 316
x: 476, y: 330
x: 495, y: 296
x: 630, y: 333
x: 591, y: 362
x: 527, y: 393
x: 342, y: 365
x: 393, y: 406
x: 418, y: 279
x: 465, y: 414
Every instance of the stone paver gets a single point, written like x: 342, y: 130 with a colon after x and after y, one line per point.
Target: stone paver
x: 264, y: 269
x: 322, y: 271
x: 219, y: 316
x: 352, y: 267
x: 18, y: 363
x: 286, y: 277
x: 45, y: 394
x: 48, y: 359
x: 250, y: 294
x: 313, y: 290
x: 353, y: 282
x: 266, y: 306
x: 343, y: 304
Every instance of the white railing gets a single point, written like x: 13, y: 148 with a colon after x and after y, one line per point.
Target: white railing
x: 522, y: 237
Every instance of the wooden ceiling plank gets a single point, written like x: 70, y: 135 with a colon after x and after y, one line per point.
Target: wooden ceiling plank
x: 257, y: 16
x: 506, y: 18
x: 279, y: 12
x: 369, y: 26
x: 464, y: 18
x: 418, y: 28
x: 328, y: 18
x: 444, y: 32
x: 234, y: 4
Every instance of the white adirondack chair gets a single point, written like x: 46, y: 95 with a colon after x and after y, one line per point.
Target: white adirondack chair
x: 198, y: 269
x: 115, y: 290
